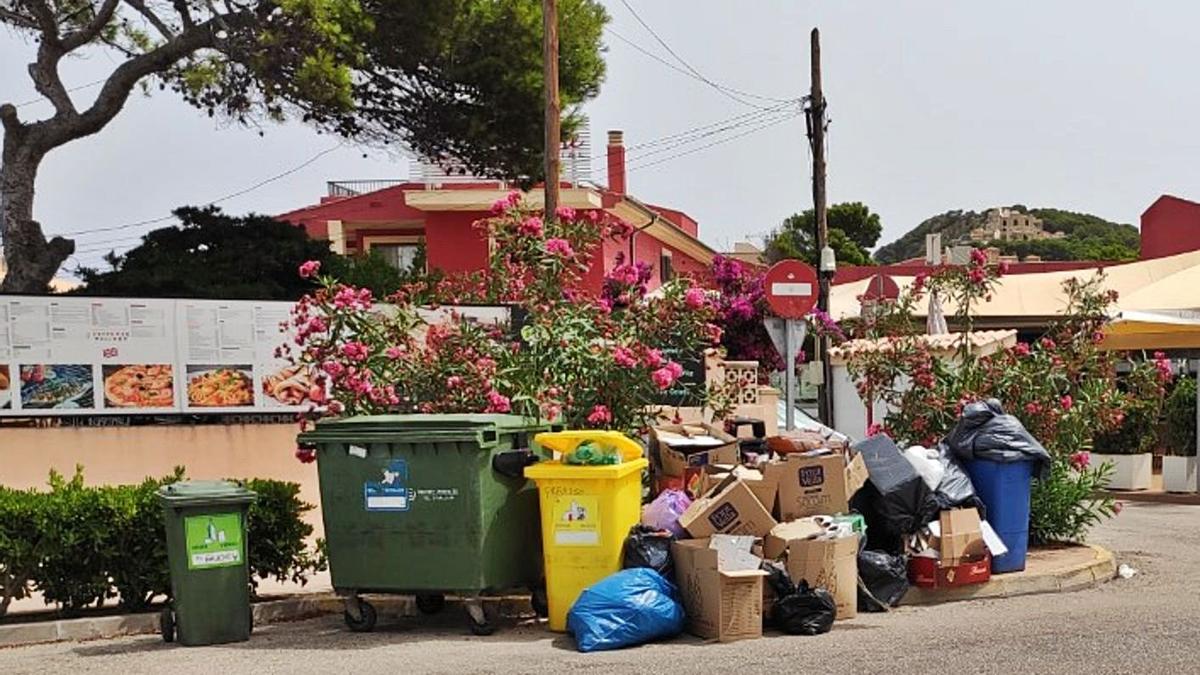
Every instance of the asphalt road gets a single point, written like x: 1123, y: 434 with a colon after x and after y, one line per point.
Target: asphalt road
x: 1148, y: 624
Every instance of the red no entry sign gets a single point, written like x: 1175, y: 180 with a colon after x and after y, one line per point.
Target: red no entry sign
x: 791, y: 288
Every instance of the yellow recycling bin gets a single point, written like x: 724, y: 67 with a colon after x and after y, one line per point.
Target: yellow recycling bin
x: 586, y: 514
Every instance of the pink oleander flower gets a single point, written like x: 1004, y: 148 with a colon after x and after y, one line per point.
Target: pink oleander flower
x: 663, y: 378
x: 531, y: 227
x: 306, y: 455
x: 498, y: 403
x: 333, y: 368
x: 675, y: 368
x: 875, y: 429
x: 1067, y: 402
x: 978, y: 256
x: 1021, y: 349
x: 694, y: 298
x: 309, y: 269
x: 624, y: 357
x: 355, y: 351
x: 653, y: 358
x: 559, y: 247
x: 1081, y: 460
x: 454, y: 382
x: 394, y: 352
x: 565, y: 213
x: 600, y: 415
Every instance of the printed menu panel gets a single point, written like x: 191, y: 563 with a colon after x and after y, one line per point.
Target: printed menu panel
x: 75, y: 355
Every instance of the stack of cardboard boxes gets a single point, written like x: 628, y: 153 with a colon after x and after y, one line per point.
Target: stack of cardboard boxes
x: 788, y: 505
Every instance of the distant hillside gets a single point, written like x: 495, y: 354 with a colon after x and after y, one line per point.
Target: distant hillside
x: 1088, y: 237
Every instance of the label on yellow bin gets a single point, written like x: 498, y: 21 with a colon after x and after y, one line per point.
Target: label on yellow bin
x: 213, y: 540
x: 576, y: 520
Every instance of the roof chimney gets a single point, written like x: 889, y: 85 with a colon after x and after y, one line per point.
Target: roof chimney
x: 616, y: 161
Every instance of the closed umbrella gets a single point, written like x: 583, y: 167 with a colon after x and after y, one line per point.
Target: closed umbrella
x: 935, y: 319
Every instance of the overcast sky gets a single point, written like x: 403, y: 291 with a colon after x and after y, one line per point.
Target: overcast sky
x: 1087, y: 105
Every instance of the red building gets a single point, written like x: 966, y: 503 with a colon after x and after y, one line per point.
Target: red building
x: 396, y: 218
x: 1169, y: 226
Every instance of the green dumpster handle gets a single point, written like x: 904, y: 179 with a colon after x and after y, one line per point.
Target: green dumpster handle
x: 486, y: 438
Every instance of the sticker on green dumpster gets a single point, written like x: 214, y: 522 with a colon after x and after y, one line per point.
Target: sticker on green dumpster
x: 213, y: 540
x: 576, y: 520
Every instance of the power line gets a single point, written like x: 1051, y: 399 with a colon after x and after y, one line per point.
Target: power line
x: 69, y: 91
x: 218, y: 200
x: 717, y: 142
x: 697, y: 133
x: 727, y: 91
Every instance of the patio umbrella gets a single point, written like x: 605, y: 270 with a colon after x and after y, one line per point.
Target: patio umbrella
x: 935, y: 319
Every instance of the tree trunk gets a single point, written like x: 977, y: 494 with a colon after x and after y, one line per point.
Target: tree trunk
x: 30, y: 259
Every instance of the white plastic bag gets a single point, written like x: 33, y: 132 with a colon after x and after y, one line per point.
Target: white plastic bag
x: 925, y: 461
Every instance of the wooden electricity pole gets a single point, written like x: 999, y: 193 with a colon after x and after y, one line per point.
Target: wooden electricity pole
x: 816, y: 137
x: 550, y: 75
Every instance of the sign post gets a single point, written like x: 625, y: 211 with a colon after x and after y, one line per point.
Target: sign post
x: 791, y: 292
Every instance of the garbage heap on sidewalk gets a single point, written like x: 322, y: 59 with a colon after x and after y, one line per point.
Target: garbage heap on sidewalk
x: 804, y: 530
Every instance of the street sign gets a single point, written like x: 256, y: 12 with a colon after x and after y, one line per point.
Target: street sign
x: 788, y: 336
x: 791, y: 288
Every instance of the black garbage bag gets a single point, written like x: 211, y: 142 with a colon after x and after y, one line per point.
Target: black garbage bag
x: 806, y: 611
x: 904, y: 501
x: 648, y: 547
x: 882, y: 580
x: 955, y: 491
x: 880, y: 536
x: 985, y: 431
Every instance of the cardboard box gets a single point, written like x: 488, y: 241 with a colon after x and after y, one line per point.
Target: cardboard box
x: 729, y: 508
x: 775, y: 544
x: 680, y: 448
x: 961, y: 537
x: 723, y: 606
x: 814, y: 485
x: 762, y: 488
x: 831, y: 564
x: 926, y: 572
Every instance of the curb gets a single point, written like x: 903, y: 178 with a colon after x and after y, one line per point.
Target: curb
x: 101, y: 627
x: 1100, y: 569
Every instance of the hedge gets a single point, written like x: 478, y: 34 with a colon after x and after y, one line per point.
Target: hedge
x: 81, y: 545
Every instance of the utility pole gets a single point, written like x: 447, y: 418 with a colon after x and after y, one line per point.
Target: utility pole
x: 553, y: 128
x: 816, y: 138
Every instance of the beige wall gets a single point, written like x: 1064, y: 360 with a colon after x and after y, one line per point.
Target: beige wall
x: 128, y: 454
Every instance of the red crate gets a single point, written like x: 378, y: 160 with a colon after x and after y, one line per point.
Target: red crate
x: 929, y: 573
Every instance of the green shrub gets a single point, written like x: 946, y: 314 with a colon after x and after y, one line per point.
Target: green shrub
x: 78, y: 527
x: 1065, y: 505
x: 20, y: 543
x: 79, y: 545
x: 1181, y: 418
x: 277, y: 534
x: 139, y: 568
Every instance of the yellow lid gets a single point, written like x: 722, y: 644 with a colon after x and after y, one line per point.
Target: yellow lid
x: 565, y: 442
x: 554, y: 469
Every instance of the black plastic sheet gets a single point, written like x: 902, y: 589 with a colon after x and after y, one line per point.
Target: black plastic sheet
x: 985, y: 431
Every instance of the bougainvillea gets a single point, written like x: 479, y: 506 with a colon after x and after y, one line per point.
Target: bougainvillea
x: 580, y: 360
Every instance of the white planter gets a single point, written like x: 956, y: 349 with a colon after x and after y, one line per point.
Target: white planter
x: 1130, y: 472
x: 1179, y: 474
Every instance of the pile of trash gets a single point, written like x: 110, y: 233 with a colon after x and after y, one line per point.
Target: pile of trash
x: 804, y: 530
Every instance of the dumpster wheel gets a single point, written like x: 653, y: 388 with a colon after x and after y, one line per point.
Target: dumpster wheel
x: 477, y: 618
x: 367, y: 617
x: 166, y: 624
x: 430, y: 603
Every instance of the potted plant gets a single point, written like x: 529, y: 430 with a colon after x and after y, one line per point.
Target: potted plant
x: 1179, y: 467
x: 1128, y: 448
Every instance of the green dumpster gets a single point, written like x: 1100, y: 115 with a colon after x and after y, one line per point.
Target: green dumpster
x: 206, y: 546
x: 429, y: 505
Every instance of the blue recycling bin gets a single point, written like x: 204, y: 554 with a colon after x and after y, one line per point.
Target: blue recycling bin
x: 1004, y: 490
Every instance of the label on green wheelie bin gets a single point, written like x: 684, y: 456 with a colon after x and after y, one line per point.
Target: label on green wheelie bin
x: 213, y: 540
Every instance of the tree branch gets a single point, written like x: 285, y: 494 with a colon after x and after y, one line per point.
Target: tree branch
x: 161, y: 26
x: 81, y: 37
x: 185, y: 13
x: 17, y: 19
x: 46, y: 21
x: 46, y: 79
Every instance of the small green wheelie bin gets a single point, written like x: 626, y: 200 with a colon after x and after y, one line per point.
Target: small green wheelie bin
x: 429, y: 505
x: 206, y: 546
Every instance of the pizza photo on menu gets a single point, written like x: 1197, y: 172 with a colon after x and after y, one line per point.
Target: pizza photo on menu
x: 139, y: 385
x: 5, y: 387
x: 220, y: 386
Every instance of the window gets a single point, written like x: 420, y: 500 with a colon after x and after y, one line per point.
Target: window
x: 665, y: 271
x: 403, y: 257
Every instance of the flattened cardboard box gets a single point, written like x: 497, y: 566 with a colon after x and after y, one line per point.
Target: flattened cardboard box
x: 831, y: 564
x: 760, y: 485
x: 729, y: 508
x: 674, y: 462
x: 723, y: 606
x: 811, y: 486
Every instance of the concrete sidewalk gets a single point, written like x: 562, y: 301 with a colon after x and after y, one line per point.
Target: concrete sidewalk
x: 1049, y: 570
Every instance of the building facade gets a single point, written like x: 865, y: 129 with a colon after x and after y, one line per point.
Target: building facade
x: 1005, y: 224
x: 1170, y: 226
x: 436, y: 215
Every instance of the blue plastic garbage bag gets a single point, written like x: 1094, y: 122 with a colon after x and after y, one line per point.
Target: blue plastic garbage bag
x: 628, y: 608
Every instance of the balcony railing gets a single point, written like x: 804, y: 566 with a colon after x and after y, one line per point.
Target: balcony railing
x: 354, y: 188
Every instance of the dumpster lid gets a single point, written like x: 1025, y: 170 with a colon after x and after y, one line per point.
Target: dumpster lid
x: 188, y: 492
x: 409, y: 422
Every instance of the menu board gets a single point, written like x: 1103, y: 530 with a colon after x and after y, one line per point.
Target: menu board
x: 89, y: 356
